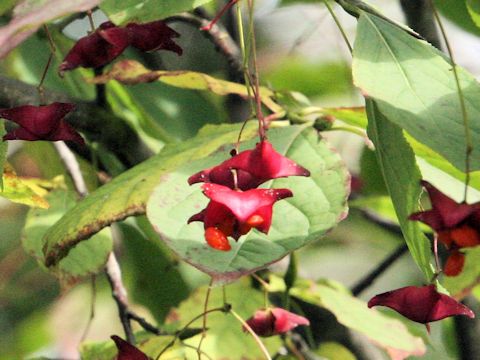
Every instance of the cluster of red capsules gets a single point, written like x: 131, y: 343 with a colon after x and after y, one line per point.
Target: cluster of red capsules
x: 99, y: 48
x: 236, y: 204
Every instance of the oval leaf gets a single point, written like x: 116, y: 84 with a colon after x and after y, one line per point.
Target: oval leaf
x: 318, y: 204
x: 415, y: 88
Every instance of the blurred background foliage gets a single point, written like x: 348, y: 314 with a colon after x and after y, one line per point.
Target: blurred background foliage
x: 301, y: 50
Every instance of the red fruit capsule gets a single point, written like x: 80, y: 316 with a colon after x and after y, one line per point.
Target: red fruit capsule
x: 217, y: 239
x: 465, y: 236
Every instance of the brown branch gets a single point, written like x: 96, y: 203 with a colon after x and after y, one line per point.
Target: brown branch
x: 219, y: 36
x: 96, y: 123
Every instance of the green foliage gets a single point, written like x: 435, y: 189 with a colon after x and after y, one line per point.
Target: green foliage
x: 402, y: 179
x: 424, y: 99
x: 225, y: 338
x: 128, y: 193
x: 318, y: 204
x: 122, y: 11
x: 457, y: 12
x: 149, y: 262
x: 353, y: 313
x: 85, y: 259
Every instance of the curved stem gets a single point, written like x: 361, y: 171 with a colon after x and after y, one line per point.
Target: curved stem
x: 204, y: 324
x: 255, y: 336
x: 339, y: 25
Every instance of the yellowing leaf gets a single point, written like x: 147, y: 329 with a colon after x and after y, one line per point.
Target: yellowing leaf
x: 132, y: 72
x: 27, y: 191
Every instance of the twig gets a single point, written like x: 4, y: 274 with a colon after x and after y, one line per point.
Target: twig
x: 219, y: 36
x: 225, y: 308
x: 72, y: 166
x: 119, y: 293
x: 112, y: 268
x: 379, y: 270
x: 204, y: 323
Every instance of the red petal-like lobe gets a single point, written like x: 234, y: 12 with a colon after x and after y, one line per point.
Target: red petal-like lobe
x: 155, y: 35
x: 20, y: 134
x: 421, y: 304
x: 244, y: 204
x: 254, y: 168
x: 451, y: 212
x: 96, y: 49
x: 39, y: 120
x: 286, y: 321
x: 275, y: 321
x: 65, y: 132
x: 127, y: 351
x: 430, y: 217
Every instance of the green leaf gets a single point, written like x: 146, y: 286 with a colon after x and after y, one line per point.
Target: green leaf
x: 413, y: 85
x: 147, y: 261
x: 333, y: 350
x: 389, y: 333
x: 402, y: 178
x: 85, y: 259
x: 7, y: 5
x: 27, y: 191
x: 132, y: 72
x: 225, y: 338
x: 473, y: 7
x: 456, y: 11
x: 318, y: 204
x: 3, y: 151
x: 128, y: 193
x: 122, y: 11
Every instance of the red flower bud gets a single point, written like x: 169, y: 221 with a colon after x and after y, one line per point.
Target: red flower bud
x: 274, y: 321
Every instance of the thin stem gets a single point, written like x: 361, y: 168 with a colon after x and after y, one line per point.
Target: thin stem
x: 92, y: 309
x: 224, y: 308
x: 258, y: 100
x: 219, y: 15
x: 119, y: 293
x: 339, y: 25
x: 204, y: 324
x: 193, y: 347
x: 40, y: 88
x: 255, y: 336
x: 90, y: 20
x: 463, y: 107
x: 261, y: 281
x: 435, y: 252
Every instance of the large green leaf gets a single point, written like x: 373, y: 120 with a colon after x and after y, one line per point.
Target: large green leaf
x: 225, y: 339
x: 127, y: 194
x: 319, y: 202
x: 414, y: 87
x: 121, y: 11
x: 85, y: 259
x: 389, y: 333
x: 402, y: 178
